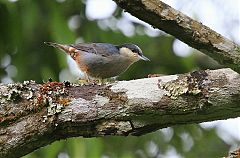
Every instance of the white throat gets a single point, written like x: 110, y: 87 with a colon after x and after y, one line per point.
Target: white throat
x: 128, y: 54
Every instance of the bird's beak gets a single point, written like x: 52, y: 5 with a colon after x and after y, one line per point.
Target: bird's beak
x: 144, y: 58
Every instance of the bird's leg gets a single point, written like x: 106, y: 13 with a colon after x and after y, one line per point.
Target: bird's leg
x: 85, y: 80
x: 101, y: 81
x: 97, y: 81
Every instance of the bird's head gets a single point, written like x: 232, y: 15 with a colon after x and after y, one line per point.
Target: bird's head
x: 132, y: 51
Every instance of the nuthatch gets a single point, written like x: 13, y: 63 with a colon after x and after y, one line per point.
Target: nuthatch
x: 102, y: 60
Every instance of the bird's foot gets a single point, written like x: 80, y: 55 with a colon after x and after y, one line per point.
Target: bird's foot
x: 98, y: 81
x: 83, y: 82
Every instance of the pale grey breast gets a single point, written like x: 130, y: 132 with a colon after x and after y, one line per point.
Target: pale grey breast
x: 103, y: 60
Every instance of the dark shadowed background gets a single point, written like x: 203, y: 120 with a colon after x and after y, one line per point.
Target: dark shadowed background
x: 25, y: 25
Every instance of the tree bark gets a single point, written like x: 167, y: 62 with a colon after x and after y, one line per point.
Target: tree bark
x: 34, y: 115
x: 234, y: 154
x: 193, y: 33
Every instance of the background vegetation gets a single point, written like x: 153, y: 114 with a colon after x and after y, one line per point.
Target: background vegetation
x: 26, y: 24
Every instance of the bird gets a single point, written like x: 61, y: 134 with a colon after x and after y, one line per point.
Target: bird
x: 102, y: 60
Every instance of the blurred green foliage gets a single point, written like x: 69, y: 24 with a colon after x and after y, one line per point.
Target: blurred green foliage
x: 26, y: 24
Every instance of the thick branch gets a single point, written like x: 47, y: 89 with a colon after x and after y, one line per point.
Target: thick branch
x: 193, y: 33
x: 33, y: 115
x: 234, y: 154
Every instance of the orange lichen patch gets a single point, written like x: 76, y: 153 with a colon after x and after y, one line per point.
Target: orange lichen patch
x: 40, y: 100
x: 64, y: 101
x: 54, y: 95
x: 51, y: 86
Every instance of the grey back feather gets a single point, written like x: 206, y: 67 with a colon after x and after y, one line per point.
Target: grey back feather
x: 103, y: 49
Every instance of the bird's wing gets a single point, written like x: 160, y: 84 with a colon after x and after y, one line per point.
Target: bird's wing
x: 102, y: 49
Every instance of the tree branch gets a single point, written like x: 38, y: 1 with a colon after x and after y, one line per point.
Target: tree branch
x: 193, y: 33
x: 33, y: 115
x: 234, y: 154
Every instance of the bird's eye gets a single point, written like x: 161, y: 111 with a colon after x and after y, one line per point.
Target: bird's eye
x: 135, y: 51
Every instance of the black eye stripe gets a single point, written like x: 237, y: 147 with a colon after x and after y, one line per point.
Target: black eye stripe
x: 135, y: 51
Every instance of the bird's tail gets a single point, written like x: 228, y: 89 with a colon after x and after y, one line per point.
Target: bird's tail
x: 73, y: 52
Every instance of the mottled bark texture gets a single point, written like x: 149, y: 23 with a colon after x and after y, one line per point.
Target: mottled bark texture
x: 234, y: 154
x: 191, y: 32
x: 33, y: 115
